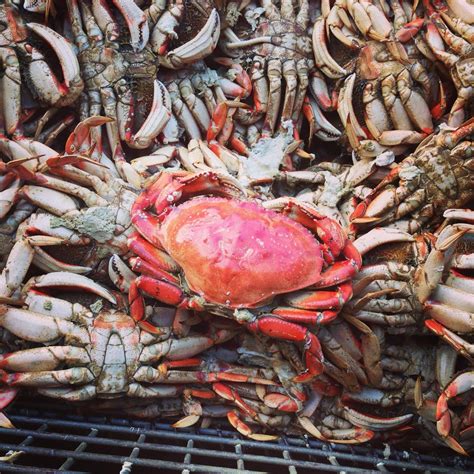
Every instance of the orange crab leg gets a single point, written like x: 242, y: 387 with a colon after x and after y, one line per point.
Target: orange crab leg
x: 145, y: 268
x: 161, y: 290
x: 337, y: 273
x: 218, y: 121
x: 238, y: 145
x: 321, y: 299
x: 281, y: 329
x: 151, y: 254
x: 303, y: 316
x: 409, y: 30
x: 281, y: 402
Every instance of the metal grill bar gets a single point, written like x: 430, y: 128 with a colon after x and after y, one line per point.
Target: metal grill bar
x: 143, y: 445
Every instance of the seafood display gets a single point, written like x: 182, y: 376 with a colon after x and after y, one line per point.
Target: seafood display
x: 253, y: 212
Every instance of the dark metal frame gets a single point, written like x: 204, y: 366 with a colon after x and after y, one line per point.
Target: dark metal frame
x: 54, y: 440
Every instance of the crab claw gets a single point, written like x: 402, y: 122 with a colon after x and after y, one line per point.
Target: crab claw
x: 199, y: 47
x: 349, y: 436
x: 136, y: 21
x: 461, y: 384
x: 81, y: 133
x: 158, y: 117
x: 66, y: 279
x: 46, y: 84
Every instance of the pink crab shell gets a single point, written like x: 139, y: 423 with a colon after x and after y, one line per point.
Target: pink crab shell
x: 239, y: 254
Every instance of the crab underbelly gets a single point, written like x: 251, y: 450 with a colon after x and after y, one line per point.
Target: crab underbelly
x: 239, y: 254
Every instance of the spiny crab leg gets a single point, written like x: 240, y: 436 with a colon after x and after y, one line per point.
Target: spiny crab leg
x: 73, y: 85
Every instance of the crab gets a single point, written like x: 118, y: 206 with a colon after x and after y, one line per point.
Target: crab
x: 102, y: 351
x: 277, y: 49
x: 390, y: 93
x: 445, y: 287
x: 200, y: 100
x: 19, y: 41
x: 120, y: 79
x: 450, y: 35
x: 435, y: 177
x: 165, y: 214
x: 96, y: 221
x: 385, y: 290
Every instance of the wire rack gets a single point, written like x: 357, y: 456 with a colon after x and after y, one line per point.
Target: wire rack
x: 52, y: 439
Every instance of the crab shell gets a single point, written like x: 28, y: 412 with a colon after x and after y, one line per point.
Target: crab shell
x: 239, y: 254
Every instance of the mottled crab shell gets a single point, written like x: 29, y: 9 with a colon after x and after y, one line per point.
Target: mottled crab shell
x: 239, y: 254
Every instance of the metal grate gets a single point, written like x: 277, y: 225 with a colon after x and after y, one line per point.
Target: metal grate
x: 53, y: 440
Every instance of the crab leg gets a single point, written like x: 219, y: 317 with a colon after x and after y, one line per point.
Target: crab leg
x: 56, y: 378
x: 195, y: 104
x: 36, y: 327
x: 458, y: 343
x: 280, y: 329
x: 341, y: 436
x: 322, y: 57
x: 303, y: 316
x: 455, y: 319
x: 184, y: 348
x: 314, y: 300
x: 87, y: 392
x: 415, y: 105
x: 8, y: 197
x: 375, y: 423
x: 11, y: 90
x: 461, y: 384
x: 18, y: 263
x: 163, y: 31
x: 43, y: 358
x: 274, y: 97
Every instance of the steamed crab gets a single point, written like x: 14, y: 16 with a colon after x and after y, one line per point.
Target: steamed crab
x: 182, y: 231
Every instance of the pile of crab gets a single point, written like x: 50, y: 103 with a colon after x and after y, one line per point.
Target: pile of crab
x: 247, y: 211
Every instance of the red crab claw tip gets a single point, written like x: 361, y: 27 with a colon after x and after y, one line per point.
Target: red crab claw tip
x: 443, y: 417
x: 7, y: 395
x: 435, y: 326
